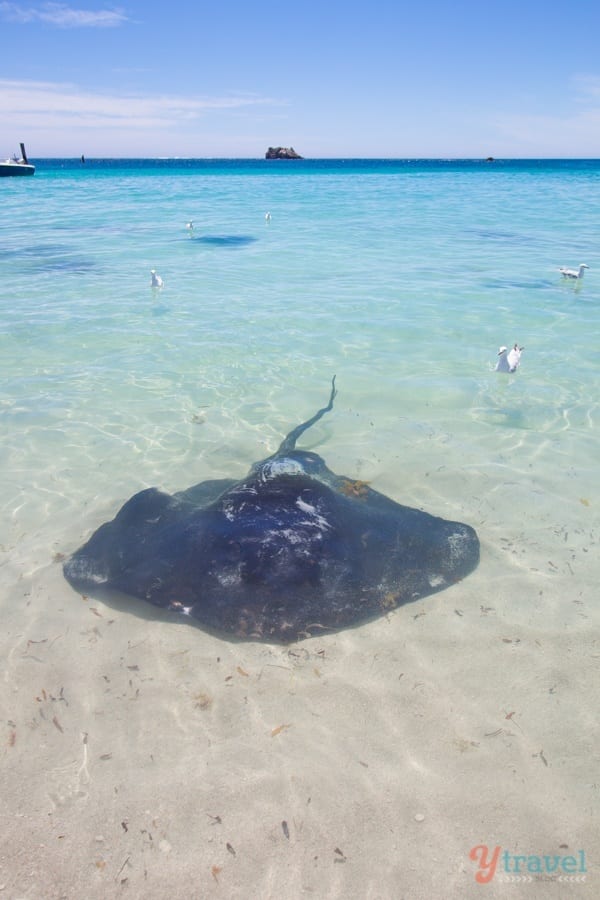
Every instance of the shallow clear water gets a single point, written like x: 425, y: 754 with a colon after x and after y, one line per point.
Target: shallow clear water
x: 402, y: 278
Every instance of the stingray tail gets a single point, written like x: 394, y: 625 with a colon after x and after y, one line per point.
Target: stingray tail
x: 289, y: 442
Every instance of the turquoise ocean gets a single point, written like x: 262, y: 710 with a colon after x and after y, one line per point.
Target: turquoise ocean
x: 402, y: 278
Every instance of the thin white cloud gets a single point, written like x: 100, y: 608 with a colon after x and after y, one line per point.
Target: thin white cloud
x: 572, y: 131
x: 64, y: 106
x: 574, y: 135
x: 63, y: 16
x: 587, y: 88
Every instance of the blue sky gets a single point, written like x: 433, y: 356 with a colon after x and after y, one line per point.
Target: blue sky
x: 330, y: 78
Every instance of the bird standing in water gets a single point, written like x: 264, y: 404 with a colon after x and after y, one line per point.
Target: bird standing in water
x: 508, y: 361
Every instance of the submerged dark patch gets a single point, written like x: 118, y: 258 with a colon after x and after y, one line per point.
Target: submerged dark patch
x: 48, y: 258
x: 227, y: 241
x: 290, y: 551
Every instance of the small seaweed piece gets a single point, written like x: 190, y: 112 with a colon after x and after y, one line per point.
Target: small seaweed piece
x: 279, y: 729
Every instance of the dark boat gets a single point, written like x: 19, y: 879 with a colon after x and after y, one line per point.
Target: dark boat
x: 17, y: 166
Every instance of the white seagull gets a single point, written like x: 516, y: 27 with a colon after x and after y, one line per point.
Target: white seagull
x: 573, y: 273
x: 508, y: 361
x: 155, y: 280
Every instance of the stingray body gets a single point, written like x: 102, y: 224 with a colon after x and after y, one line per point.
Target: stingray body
x: 291, y: 550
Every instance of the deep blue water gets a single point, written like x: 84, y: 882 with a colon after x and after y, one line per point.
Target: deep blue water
x: 330, y: 166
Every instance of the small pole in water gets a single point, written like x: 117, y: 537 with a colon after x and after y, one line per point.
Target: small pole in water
x: 82, y: 158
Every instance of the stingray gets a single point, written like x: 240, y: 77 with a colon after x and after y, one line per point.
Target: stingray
x: 290, y: 551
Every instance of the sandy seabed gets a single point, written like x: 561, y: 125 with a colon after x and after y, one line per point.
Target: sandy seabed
x: 144, y: 757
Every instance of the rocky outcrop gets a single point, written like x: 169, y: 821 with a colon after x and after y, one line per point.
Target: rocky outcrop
x: 282, y: 153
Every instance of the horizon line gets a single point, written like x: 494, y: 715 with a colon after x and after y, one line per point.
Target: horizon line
x: 163, y: 158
